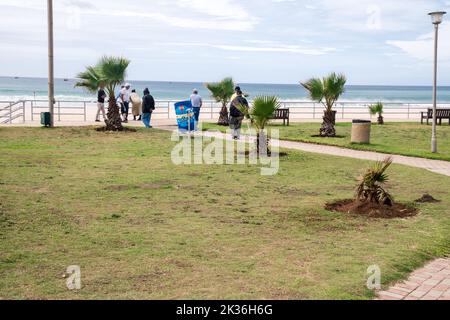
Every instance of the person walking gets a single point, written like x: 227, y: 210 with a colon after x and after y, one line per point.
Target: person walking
x: 101, y: 96
x: 148, y: 105
x: 136, y: 103
x: 119, y: 99
x: 125, y: 98
x: 197, y: 103
x: 236, y: 115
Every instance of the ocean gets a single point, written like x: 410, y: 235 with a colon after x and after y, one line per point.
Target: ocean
x: 13, y: 89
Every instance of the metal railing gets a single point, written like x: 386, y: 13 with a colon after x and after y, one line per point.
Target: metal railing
x: 76, y: 108
x: 11, y: 111
x: 352, y: 109
x: 70, y: 110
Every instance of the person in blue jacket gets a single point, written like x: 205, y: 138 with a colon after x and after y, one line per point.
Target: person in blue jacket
x: 148, y: 106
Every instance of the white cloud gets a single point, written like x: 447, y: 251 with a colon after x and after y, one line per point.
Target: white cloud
x: 227, y: 9
x: 276, y: 48
x: 391, y: 15
x: 211, y: 24
x: 422, y: 47
x: 215, y: 15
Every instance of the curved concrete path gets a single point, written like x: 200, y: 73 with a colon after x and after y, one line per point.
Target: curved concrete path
x: 436, y: 166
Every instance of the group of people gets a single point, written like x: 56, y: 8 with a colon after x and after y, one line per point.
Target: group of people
x: 142, y: 108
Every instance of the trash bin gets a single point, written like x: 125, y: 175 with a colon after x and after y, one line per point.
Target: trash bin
x: 361, y: 131
x: 45, y: 119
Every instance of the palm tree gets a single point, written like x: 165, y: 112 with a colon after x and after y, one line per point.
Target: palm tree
x: 377, y: 109
x: 222, y: 93
x: 260, y: 114
x: 370, y: 189
x: 109, y: 72
x: 326, y: 91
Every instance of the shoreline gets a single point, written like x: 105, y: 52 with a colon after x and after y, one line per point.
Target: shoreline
x: 380, y: 86
x: 87, y: 99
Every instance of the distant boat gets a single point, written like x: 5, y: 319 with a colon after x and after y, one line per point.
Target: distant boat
x: 16, y: 77
x: 66, y: 80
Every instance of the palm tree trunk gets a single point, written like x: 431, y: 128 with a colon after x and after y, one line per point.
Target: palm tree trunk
x: 224, y: 119
x: 262, y: 144
x: 114, y: 122
x: 380, y: 120
x: 328, y: 129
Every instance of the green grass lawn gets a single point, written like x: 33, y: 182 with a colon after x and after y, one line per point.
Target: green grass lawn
x: 409, y: 139
x: 143, y: 228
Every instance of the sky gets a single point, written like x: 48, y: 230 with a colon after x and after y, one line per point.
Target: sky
x: 383, y: 42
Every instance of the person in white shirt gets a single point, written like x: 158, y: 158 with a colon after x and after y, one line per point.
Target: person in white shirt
x: 197, y: 103
x: 125, y: 98
x: 136, y: 103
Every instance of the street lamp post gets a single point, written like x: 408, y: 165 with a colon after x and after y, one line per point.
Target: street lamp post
x: 51, y: 75
x: 436, y: 19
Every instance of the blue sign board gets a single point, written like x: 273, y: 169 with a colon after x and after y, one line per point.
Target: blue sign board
x: 185, y: 116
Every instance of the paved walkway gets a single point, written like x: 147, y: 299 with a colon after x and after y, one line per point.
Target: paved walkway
x: 437, y: 166
x: 432, y: 282
x: 429, y: 283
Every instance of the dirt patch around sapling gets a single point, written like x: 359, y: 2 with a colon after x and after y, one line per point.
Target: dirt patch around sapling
x: 165, y: 184
x: 123, y: 130
x: 372, y: 210
x: 274, y: 154
x: 325, y: 137
x: 426, y: 198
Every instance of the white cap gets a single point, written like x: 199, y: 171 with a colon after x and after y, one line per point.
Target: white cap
x: 127, y: 85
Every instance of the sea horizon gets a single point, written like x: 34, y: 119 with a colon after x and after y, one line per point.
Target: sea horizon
x: 13, y: 88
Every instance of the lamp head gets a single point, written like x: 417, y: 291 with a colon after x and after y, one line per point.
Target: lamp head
x: 437, y: 17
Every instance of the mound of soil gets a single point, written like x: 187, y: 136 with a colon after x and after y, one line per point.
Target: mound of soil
x: 125, y: 129
x: 280, y: 154
x: 146, y: 186
x: 426, y: 198
x: 335, y: 137
x: 372, y: 210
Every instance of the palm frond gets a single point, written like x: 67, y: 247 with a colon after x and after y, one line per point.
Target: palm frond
x: 327, y: 89
x: 334, y: 85
x: 113, y: 70
x: 88, y: 79
x: 244, y: 109
x: 377, y: 108
x: 263, y: 109
x: 110, y: 71
x: 371, y: 185
x: 315, y: 89
x: 221, y: 91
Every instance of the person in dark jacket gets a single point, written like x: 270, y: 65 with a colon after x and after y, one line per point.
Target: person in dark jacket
x: 148, y: 105
x: 236, y: 115
x: 101, y: 96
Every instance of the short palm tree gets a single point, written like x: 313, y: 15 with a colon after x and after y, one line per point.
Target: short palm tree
x: 260, y: 114
x: 371, y: 187
x: 326, y: 91
x: 109, y: 72
x: 377, y: 109
x: 222, y: 93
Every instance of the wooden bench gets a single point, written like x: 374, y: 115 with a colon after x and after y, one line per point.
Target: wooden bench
x: 440, y: 114
x: 282, y: 114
